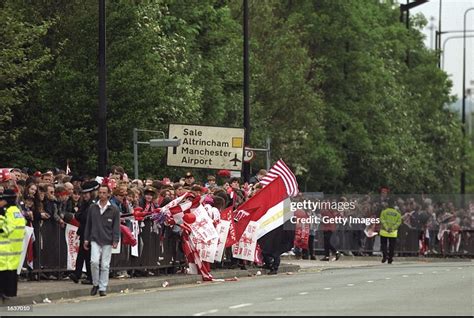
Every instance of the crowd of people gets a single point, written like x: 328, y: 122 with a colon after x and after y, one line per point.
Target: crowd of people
x: 430, y: 225
x: 49, y: 199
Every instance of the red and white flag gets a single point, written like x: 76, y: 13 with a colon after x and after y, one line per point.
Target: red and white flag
x: 199, y: 239
x: 288, y: 177
x: 258, y: 205
x: 269, y: 207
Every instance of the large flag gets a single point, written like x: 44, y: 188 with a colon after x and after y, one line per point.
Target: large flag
x: 258, y: 205
x: 270, y: 209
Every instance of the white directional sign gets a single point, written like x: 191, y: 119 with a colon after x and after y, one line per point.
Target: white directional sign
x: 206, y: 147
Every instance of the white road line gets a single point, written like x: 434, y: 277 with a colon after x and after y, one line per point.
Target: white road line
x: 459, y: 267
x: 420, y: 273
x: 327, y: 288
x: 278, y: 298
x: 370, y: 281
x: 303, y: 293
x: 435, y: 272
x: 350, y: 285
x: 387, y: 278
x: 405, y: 276
x: 212, y: 311
x: 240, y: 306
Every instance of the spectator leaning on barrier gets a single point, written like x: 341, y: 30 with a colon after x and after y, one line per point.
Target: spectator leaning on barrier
x: 12, y: 231
x: 101, y: 235
x: 89, y: 190
x: 390, y: 219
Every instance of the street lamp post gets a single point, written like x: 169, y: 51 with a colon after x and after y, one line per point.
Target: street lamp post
x: 406, y: 8
x: 463, y: 173
x: 102, y: 117
x: 451, y: 38
x: 246, y: 166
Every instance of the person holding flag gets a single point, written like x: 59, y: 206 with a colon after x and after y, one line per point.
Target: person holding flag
x: 268, y: 211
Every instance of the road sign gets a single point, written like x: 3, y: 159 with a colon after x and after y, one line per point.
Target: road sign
x: 206, y: 147
x: 249, y: 155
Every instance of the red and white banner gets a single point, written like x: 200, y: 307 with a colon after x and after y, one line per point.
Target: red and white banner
x: 227, y: 215
x: 245, y: 248
x: 203, y: 228
x: 72, y: 242
x: 223, y: 231
x: 206, y: 250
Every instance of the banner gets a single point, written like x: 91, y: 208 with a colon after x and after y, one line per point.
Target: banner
x: 72, y: 242
x: 245, y: 248
x: 135, y: 232
x: 226, y: 215
x: 203, y: 228
x: 302, y: 235
x: 206, y: 250
x: 222, y: 229
x: 26, y: 239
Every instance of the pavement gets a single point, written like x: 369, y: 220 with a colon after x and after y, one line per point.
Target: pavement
x: 34, y: 292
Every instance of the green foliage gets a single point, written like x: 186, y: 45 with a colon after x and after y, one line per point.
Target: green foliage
x: 351, y: 99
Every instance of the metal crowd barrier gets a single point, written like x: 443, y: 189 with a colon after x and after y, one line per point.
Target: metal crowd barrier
x: 356, y: 242
x: 156, y: 250
x: 161, y: 250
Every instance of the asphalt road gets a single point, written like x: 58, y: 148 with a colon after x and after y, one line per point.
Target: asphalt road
x: 397, y: 289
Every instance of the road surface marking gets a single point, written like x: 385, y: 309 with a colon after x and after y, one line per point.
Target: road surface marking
x: 459, y: 267
x: 240, y: 306
x: 350, y: 285
x: 404, y: 275
x: 370, y: 281
x: 420, y: 273
x: 303, y: 293
x: 448, y: 270
x: 387, y: 278
x: 278, y: 298
x: 327, y: 288
x: 435, y: 272
x: 212, y: 311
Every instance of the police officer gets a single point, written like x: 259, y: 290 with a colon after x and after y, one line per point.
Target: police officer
x: 12, y: 231
x: 390, y: 220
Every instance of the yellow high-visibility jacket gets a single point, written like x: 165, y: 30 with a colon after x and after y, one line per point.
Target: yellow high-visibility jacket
x: 12, y: 232
x: 391, y: 220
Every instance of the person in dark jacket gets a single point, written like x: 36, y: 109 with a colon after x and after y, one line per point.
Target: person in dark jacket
x: 102, y: 233
x: 329, y: 227
x: 89, y: 190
